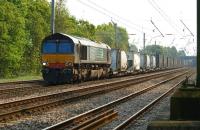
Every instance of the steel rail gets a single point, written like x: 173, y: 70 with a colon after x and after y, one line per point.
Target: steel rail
x: 27, y: 109
x: 22, y: 89
x: 20, y: 82
x: 103, y: 86
x: 92, y: 87
x: 97, y: 121
x: 147, y: 107
x: 72, y: 121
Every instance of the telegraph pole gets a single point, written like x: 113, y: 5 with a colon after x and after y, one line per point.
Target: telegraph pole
x: 52, y: 16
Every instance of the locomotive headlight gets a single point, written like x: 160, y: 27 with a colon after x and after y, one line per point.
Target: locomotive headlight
x: 44, y: 63
x: 70, y: 63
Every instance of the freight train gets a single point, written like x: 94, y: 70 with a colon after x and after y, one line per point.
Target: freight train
x: 67, y: 58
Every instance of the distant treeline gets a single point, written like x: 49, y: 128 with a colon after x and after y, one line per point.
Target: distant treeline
x: 168, y: 51
x: 23, y: 25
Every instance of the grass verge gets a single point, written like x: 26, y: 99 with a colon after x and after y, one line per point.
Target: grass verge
x: 21, y: 78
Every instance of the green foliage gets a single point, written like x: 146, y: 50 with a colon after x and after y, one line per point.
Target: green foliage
x: 157, y: 49
x: 37, y: 27
x: 12, y: 38
x: 106, y: 33
x: 85, y: 29
x: 65, y: 23
x: 133, y: 47
x: 23, y: 25
x: 181, y: 53
x: 153, y: 49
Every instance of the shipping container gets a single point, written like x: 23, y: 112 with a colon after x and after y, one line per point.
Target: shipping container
x: 170, y: 60
x: 159, y: 61
x: 175, y: 62
x: 118, y: 61
x: 164, y: 61
x: 148, y: 62
x: 133, y: 61
x: 152, y: 62
x: 144, y: 61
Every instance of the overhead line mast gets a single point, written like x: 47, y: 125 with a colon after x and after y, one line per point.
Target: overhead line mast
x: 53, y: 16
x: 157, y: 28
x: 187, y: 27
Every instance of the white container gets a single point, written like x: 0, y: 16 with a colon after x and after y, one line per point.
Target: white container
x: 137, y: 61
x: 142, y: 61
x: 165, y: 62
x: 133, y: 61
x: 148, y: 62
x: 119, y: 60
x: 123, y: 61
x: 114, y: 59
x: 153, y: 62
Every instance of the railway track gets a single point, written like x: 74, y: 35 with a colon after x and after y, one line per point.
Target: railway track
x: 79, y: 120
x: 12, y: 88
x: 19, y: 86
x: 145, y: 109
x: 20, y: 82
x: 21, y: 91
x: 12, y: 110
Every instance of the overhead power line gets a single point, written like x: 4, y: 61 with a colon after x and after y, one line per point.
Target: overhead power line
x: 110, y: 16
x: 164, y: 16
x: 112, y: 13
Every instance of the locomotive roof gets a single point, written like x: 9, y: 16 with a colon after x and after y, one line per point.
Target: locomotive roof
x: 77, y: 40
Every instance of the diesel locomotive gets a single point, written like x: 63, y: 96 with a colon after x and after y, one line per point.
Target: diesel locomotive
x: 68, y: 58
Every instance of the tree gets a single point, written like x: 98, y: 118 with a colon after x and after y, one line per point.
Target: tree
x: 85, y: 29
x: 64, y: 23
x: 170, y: 52
x: 106, y: 33
x: 122, y: 39
x: 181, y: 53
x: 12, y: 38
x: 154, y: 49
x: 37, y: 27
x: 133, y: 47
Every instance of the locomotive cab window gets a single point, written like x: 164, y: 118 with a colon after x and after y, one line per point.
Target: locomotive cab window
x: 65, y: 47
x: 49, y: 47
x: 61, y: 46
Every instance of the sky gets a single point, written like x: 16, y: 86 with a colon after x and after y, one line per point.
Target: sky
x: 169, y: 16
